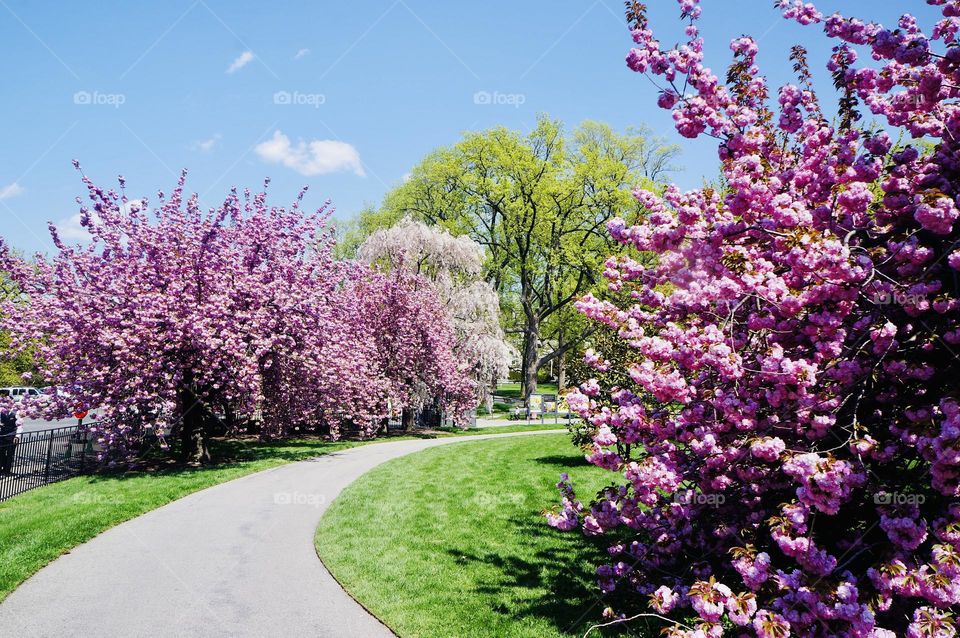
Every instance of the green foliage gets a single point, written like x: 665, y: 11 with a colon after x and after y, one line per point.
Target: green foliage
x: 612, y: 348
x: 351, y: 234
x: 13, y: 369
x: 14, y: 365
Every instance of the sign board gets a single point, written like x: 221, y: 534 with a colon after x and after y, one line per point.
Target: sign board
x: 535, y: 403
x: 79, y: 413
x: 550, y: 402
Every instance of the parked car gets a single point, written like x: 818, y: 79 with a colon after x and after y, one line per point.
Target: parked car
x: 21, y: 391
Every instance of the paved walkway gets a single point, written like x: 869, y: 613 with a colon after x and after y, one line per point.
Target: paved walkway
x: 236, y: 559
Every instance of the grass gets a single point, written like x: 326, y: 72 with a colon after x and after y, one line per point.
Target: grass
x: 519, y: 426
x: 40, y: 525
x: 513, y: 389
x: 451, y: 541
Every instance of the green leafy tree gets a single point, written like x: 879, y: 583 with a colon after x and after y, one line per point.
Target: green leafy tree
x: 538, y: 204
x: 21, y: 368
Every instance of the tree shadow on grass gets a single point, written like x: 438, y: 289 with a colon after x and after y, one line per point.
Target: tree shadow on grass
x: 572, y: 602
x: 227, y: 453
x: 562, y: 460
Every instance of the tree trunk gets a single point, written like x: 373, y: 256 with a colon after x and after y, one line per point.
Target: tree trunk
x: 230, y: 418
x: 562, y: 372
x: 194, y: 435
x: 530, y: 358
x: 406, y: 419
x: 194, y: 441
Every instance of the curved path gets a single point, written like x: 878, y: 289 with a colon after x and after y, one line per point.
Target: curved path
x: 236, y: 559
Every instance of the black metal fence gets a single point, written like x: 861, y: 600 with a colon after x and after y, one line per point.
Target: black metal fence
x: 427, y: 418
x: 470, y: 420
x: 43, y: 457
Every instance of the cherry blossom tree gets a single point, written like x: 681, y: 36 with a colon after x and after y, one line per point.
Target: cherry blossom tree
x: 415, y: 343
x: 454, y: 268
x: 789, y: 435
x: 176, y: 317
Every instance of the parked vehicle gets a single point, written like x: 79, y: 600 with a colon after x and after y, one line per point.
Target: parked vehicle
x: 19, y: 392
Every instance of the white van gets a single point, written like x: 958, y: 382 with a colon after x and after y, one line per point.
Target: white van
x: 19, y: 392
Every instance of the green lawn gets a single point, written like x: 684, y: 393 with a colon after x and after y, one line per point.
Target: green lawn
x: 513, y: 389
x: 40, y: 525
x: 451, y: 541
x: 520, y: 426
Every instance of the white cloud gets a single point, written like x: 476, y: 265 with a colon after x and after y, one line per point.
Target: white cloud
x: 316, y: 157
x: 245, y: 58
x: 206, y: 145
x: 71, y: 230
x: 301, y: 53
x: 135, y: 205
x: 11, y: 190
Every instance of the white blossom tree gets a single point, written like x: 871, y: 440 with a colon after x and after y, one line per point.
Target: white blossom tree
x: 454, y: 265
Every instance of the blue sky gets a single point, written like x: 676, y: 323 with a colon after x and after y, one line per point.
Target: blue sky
x: 343, y: 96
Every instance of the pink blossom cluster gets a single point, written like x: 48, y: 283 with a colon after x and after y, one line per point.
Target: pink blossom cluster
x: 174, y: 311
x: 789, y: 440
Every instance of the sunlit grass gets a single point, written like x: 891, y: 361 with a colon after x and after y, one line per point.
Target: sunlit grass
x: 513, y: 389
x: 451, y: 541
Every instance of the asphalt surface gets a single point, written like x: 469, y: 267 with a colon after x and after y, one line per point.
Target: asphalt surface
x: 35, y: 425
x: 236, y: 559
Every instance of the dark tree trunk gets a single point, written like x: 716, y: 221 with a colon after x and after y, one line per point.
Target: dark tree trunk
x: 561, y: 372
x: 531, y: 359
x: 531, y: 339
x: 407, y: 418
x: 230, y: 418
x: 194, y: 434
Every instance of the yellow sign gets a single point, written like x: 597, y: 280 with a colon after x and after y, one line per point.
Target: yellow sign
x: 535, y: 403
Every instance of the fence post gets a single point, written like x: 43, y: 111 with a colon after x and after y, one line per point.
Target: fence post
x: 46, y: 471
x: 83, y: 449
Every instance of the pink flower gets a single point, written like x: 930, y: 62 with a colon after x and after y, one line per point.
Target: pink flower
x: 663, y: 599
x: 767, y: 449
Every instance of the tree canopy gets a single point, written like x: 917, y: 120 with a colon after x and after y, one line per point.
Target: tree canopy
x: 537, y: 204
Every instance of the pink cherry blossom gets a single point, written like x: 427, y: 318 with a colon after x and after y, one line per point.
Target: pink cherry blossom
x: 788, y: 422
